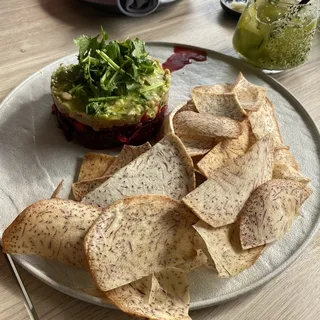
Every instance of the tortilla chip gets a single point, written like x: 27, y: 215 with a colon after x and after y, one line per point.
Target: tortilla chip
x: 264, y: 122
x: 197, y: 146
x: 162, y: 296
x: 224, y: 247
x: 126, y: 228
x: 218, y: 104
x: 127, y: 154
x: 284, y: 171
x: 284, y: 156
x: 218, y: 200
x: 94, y: 165
x: 57, y: 190
x: 80, y: 189
x: 251, y: 97
x: 191, y: 124
x: 270, y: 211
x: 53, y: 229
x: 165, y: 169
x: 226, y: 151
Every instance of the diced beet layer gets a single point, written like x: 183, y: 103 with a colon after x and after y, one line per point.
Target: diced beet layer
x: 112, y: 137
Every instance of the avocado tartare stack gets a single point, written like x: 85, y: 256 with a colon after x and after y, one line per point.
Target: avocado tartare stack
x: 116, y: 94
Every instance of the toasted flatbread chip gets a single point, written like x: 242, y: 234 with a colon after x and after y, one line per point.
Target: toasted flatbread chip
x: 161, y: 296
x: 127, y: 154
x: 284, y: 156
x: 264, y: 122
x: 218, y: 200
x: 218, y: 104
x: 251, y: 97
x: 191, y: 124
x: 165, y: 169
x: 197, y: 146
x: 224, y: 247
x: 138, y: 236
x: 94, y: 165
x: 53, y: 229
x: 80, y: 189
x: 270, y: 211
x: 284, y: 171
x: 57, y: 190
x: 226, y: 151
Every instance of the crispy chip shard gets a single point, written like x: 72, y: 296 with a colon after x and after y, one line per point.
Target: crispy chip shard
x: 191, y: 124
x: 52, y: 229
x: 251, y: 97
x: 218, y: 104
x: 218, y: 200
x: 126, y: 155
x: 160, y: 296
x: 270, y: 211
x: 225, y: 249
x: 165, y: 169
x: 226, y: 151
x: 116, y: 243
x: 264, y: 122
x: 94, y: 165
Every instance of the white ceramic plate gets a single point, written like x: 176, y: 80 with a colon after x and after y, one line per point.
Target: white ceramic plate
x: 35, y: 157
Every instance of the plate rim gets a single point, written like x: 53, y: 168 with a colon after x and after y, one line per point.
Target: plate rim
x: 217, y: 300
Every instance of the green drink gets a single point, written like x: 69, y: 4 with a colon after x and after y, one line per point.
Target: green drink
x: 275, y: 36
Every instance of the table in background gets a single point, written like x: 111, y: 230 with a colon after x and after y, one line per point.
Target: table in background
x: 37, y: 32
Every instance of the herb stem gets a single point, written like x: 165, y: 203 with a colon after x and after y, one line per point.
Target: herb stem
x: 155, y: 86
x: 103, y: 98
x: 106, y: 58
x: 79, y: 86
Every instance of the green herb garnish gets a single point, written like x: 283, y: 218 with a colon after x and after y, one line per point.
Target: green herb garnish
x: 111, y: 70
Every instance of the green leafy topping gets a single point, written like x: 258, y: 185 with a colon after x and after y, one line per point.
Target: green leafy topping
x: 107, y: 71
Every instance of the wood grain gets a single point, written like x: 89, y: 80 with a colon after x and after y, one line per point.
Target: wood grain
x: 37, y: 32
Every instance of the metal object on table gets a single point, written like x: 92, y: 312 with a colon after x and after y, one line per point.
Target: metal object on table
x: 26, y: 299
x: 120, y: 6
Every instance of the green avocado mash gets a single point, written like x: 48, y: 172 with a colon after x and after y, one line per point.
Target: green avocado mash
x: 113, y: 82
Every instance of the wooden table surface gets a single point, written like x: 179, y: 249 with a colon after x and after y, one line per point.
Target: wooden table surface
x: 37, y: 32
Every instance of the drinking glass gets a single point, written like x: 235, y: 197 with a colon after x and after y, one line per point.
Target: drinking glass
x: 276, y: 35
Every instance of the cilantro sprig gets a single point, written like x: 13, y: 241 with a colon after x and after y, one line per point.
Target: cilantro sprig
x: 110, y: 70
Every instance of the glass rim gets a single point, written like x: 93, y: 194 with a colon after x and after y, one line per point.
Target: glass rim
x: 290, y: 4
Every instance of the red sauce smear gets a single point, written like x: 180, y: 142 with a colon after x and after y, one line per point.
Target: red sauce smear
x: 183, y: 56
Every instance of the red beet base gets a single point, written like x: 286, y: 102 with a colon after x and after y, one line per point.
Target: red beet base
x: 106, y: 138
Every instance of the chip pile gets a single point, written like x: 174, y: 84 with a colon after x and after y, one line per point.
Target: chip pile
x: 141, y: 222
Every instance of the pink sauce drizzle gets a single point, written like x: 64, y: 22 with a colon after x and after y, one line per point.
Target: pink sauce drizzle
x: 183, y: 56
